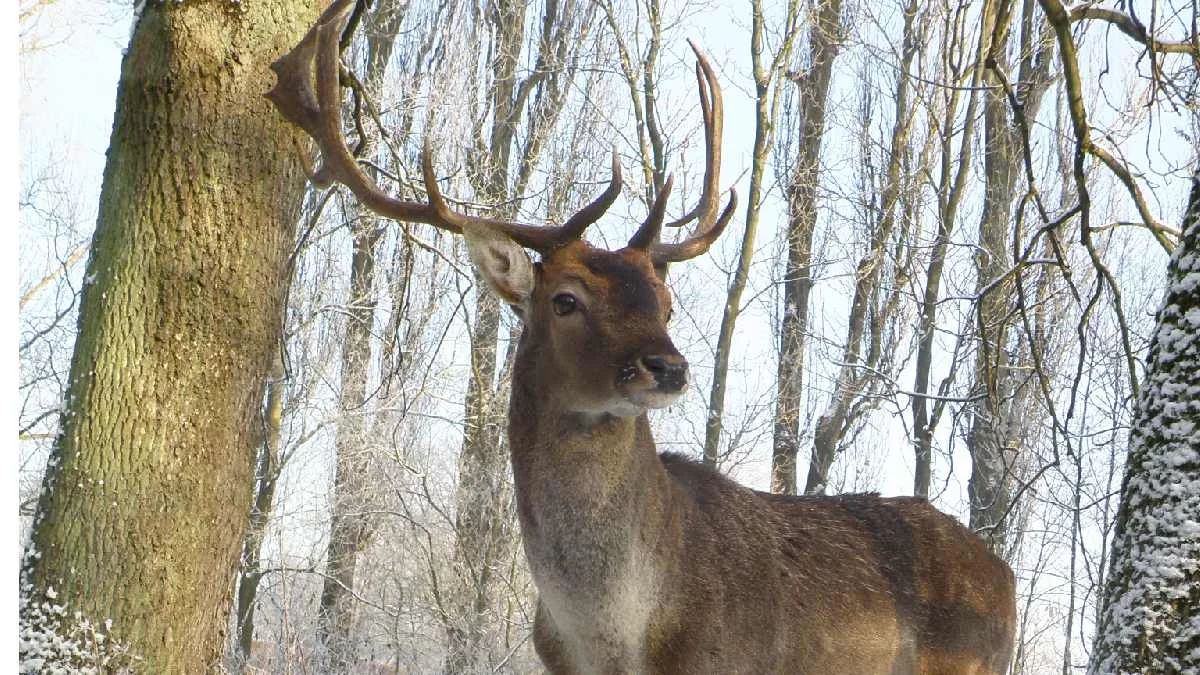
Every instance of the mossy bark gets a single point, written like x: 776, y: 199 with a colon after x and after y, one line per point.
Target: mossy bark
x: 147, y: 493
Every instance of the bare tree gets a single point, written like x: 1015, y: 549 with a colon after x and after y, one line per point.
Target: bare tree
x: 812, y: 80
x: 879, y: 277
x: 351, y: 524
x: 266, y: 479
x: 768, y: 69
x: 483, y: 521
x: 996, y: 432
x: 52, y: 247
x: 954, y: 167
x: 910, y: 197
x: 1069, y: 427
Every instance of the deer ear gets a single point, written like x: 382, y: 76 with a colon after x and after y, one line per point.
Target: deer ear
x: 502, y: 263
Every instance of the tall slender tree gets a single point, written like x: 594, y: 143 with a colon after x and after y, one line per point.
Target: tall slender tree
x: 997, y: 432
x: 351, y: 524
x: 267, y: 468
x: 812, y: 91
x: 954, y: 166
x: 500, y: 172
x: 768, y: 69
x: 873, y: 308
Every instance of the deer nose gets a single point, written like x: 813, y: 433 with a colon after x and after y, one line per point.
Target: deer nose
x: 670, y: 371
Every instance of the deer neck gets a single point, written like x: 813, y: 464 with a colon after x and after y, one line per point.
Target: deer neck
x: 583, y: 483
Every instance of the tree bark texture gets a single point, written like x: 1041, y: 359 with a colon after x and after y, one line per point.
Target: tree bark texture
x: 813, y: 92
x: 147, y: 493
x: 1150, y: 619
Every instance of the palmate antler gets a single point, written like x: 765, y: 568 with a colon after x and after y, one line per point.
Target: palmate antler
x: 318, y: 112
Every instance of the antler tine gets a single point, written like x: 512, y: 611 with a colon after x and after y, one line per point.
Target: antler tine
x: 574, y: 227
x: 704, y: 85
x: 698, y: 243
x: 318, y: 113
x: 647, y: 234
x: 709, y: 225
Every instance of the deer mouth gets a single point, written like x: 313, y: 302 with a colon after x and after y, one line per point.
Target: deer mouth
x: 653, y: 399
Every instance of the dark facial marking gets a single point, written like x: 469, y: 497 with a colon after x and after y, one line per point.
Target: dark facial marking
x: 631, y: 290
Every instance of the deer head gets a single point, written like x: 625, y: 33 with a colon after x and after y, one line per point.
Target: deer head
x: 598, y: 318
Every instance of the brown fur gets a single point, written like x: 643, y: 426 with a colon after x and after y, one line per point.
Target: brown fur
x: 658, y: 564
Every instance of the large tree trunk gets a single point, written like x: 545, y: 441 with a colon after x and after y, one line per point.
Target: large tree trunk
x: 1150, y: 620
x: 813, y: 91
x: 146, y: 496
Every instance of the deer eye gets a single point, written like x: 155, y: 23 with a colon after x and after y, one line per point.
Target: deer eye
x: 564, y: 304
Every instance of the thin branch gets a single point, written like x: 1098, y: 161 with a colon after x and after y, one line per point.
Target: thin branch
x: 66, y: 265
x: 1135, y: 30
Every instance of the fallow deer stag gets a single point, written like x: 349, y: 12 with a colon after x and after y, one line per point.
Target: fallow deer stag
x: 653, y: 563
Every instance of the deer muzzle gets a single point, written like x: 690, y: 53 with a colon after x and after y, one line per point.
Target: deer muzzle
x: 669, y: 371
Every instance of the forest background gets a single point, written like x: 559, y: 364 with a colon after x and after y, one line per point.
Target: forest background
x: 925, y: 294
